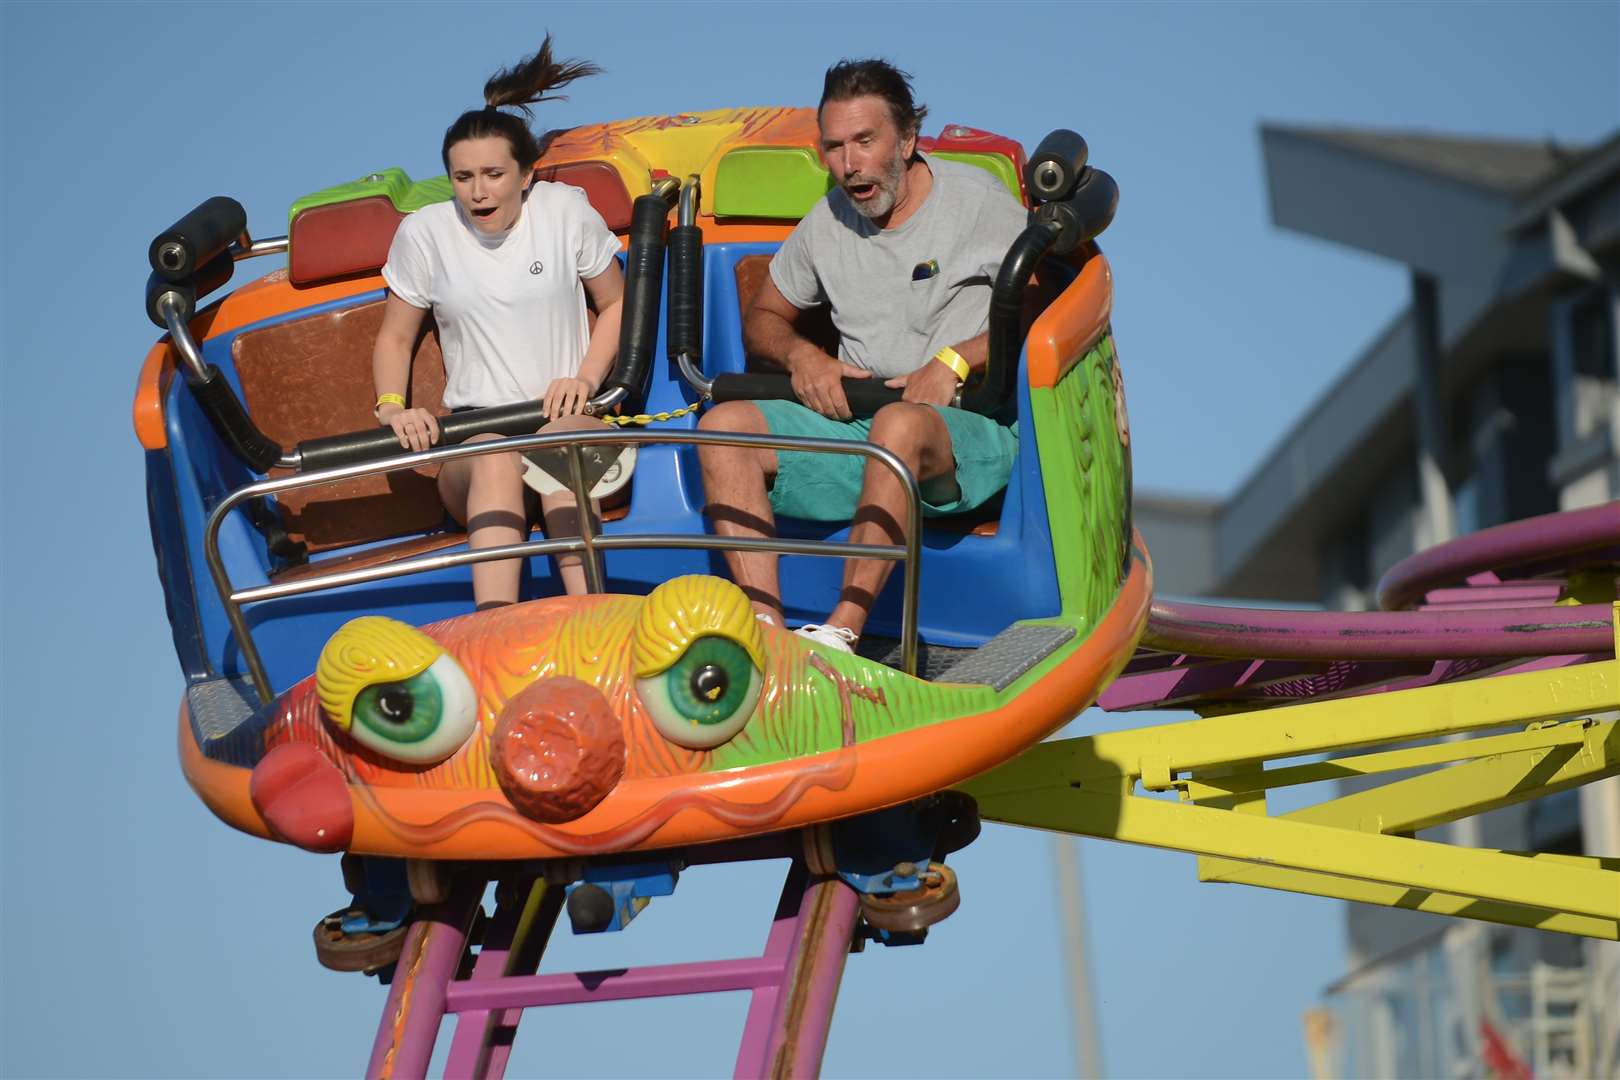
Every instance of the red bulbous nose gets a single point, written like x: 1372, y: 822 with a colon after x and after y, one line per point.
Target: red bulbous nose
x: 558, y: 749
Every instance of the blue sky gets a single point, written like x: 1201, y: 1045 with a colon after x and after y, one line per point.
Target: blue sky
x: 139, y: 937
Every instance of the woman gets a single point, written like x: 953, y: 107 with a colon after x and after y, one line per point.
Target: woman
x: 505, y: 267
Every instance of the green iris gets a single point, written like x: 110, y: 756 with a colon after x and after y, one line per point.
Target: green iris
x: 402, y: 712
x: 709, y: 683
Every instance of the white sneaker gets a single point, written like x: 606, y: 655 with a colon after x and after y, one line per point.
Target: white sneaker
x: 834, y: 637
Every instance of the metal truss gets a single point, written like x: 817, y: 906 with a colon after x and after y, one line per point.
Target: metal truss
x: 1494, y: 742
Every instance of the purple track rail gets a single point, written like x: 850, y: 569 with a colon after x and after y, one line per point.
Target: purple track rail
x: 1567, y: 539
x: 794, y: 984
x: 1435, y: 634
x: 1486, y: 603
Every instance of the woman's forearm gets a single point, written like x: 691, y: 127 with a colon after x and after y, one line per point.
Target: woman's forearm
x: 390, y: 366
x: 396, y: 340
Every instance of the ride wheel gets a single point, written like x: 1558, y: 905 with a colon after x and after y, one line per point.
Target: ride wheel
x: 917, y: 910
x: 340, y: 951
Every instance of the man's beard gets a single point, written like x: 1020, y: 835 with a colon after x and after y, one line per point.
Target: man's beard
x: 888, y: 189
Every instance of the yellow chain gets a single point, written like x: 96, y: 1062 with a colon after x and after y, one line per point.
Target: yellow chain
x: 651, y: 418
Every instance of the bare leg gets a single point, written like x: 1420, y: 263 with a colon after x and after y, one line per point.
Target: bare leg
x: 734, y: 482
x: 486, y: 494
x: 917, y: 435
x: 561, y: 512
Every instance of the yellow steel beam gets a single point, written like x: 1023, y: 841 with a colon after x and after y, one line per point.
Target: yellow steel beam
x: 1203, y: 788
x: 1341, y: 848
x: 1438, y: 903
x: 1415, y: 864
x: 1425, y: 801
x: 1445, y: 795
x: 1156, y: 754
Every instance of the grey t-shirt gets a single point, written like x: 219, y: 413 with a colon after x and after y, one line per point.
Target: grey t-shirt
x: 892, y: 315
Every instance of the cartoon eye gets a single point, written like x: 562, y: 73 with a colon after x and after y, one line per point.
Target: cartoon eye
x: 422, y: 720
x: 396, y: 691
x: 704, y: 698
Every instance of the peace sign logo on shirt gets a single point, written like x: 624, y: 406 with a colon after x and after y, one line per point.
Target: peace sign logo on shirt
x: 535, y: 267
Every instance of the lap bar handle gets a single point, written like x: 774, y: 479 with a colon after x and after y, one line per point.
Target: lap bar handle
x: 866, y: 396
x: 523, y: 418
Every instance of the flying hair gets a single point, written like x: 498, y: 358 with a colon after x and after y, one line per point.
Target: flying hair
x: 528, y: 82
x: 531, y: 80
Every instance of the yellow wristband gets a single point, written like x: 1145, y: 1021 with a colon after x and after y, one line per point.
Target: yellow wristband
x: 389, y: 399
x: 953, y: 360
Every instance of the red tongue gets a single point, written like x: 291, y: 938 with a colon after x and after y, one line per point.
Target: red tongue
x: 303, y: 798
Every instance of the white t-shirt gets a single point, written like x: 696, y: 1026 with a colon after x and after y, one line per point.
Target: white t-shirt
x: 511, y: 315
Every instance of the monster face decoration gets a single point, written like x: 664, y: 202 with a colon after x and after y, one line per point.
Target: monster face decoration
x: 579, y: 725
x: 557, y: 746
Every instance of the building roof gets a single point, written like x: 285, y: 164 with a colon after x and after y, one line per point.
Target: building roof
x: 1577, y: 176
x: 1509, y: 166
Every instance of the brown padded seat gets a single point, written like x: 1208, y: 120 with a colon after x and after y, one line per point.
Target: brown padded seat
x: 311, y: 377
x: 816, y: 325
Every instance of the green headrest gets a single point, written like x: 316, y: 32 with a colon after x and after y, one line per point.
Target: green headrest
x: 769, y: 182
x: 406, y: 195
x: 784, y: 182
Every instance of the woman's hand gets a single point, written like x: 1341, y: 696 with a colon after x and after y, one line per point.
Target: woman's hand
x: 417, y: 429
x: 566, y: 396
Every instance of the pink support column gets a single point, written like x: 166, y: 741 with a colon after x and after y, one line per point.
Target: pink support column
x: 779, y: 945
x: 794, y: 985
x: 513, y: 945
x: 827, y: 921
x: 416, y: 1000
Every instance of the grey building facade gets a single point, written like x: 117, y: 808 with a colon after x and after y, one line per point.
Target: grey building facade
x: 1494, y: 396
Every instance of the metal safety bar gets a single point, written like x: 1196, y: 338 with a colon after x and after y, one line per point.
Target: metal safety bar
x: 172, y: 308
x: 589, y: 544
x: 248, y: 248
x: 180, y: 333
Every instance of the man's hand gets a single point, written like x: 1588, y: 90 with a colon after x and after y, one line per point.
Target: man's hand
x: 931, y: 384
x: 818, y: 382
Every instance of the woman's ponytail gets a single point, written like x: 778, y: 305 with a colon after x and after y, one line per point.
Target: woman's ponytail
x: 531, y: 81
x: 526, y: 83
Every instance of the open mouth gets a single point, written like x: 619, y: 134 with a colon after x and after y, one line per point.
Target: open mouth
x: 484, y: 211
x: 861, y: 189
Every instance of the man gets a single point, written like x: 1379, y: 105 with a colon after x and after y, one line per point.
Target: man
x: 904, y: 249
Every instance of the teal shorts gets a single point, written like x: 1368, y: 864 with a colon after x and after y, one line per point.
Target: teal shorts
x: 827, y: 487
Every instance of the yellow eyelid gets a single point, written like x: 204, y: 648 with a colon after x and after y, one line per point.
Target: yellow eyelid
x: 366, y: 651
x: 684, y: 609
